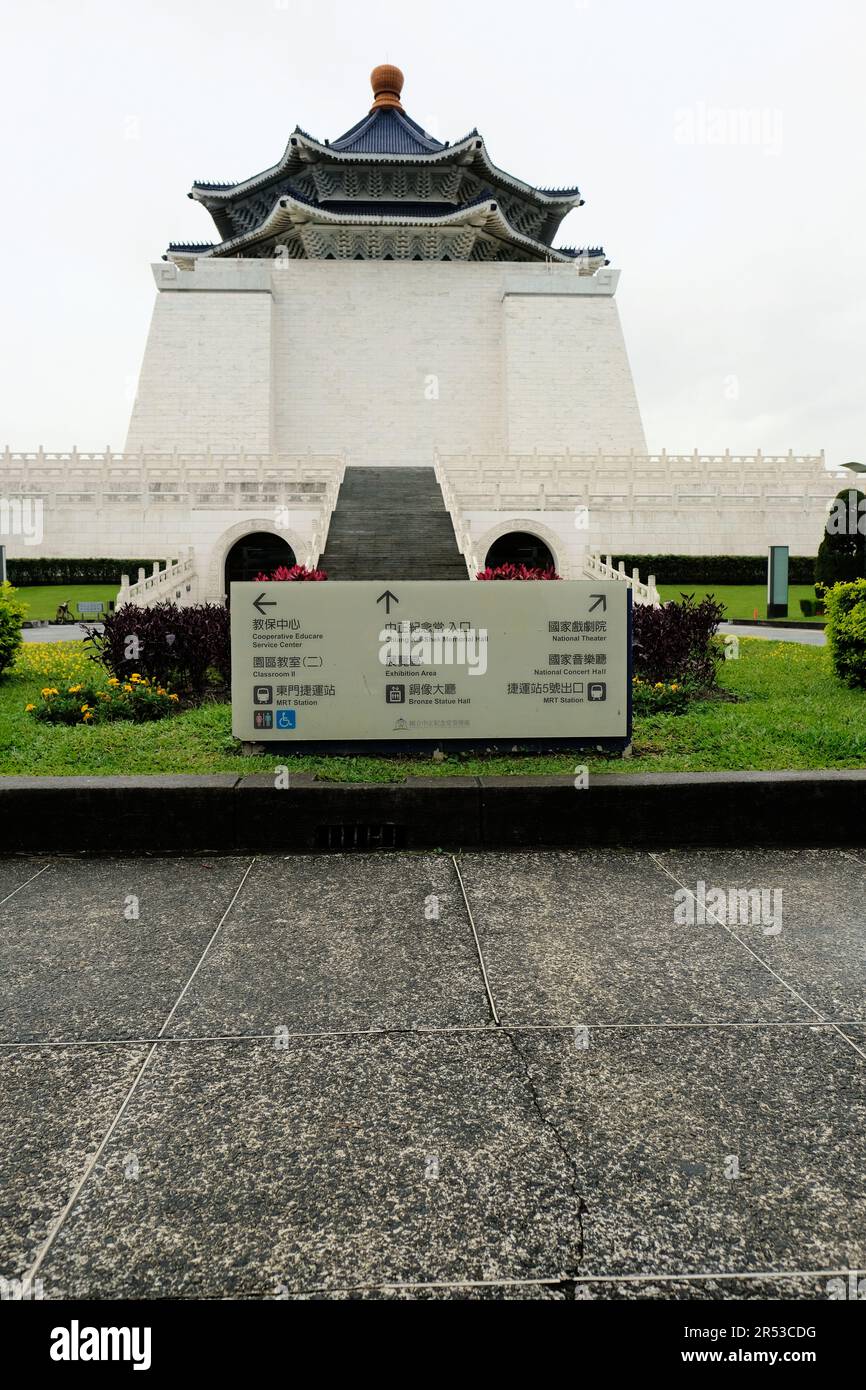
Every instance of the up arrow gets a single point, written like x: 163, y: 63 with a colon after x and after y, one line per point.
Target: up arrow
x: 389, y: 599
x: 261, y: 603
x: 599, y: 599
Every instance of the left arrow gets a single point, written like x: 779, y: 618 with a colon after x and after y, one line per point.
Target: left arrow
x: 261, y: 603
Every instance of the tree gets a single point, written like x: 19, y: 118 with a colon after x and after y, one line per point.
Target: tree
x: 842, y: 552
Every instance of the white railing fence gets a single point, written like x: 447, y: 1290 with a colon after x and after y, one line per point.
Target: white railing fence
x: 174, y: 582
x: 646, y: 594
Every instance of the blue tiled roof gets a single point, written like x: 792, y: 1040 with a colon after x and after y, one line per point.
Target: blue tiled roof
x: 386, y: 131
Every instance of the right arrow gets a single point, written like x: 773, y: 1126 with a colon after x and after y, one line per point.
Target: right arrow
x: 599, y: 599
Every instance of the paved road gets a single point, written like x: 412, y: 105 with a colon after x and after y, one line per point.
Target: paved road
x: 56, y: 632
x: 336, y: 1076
x: 810, y: 637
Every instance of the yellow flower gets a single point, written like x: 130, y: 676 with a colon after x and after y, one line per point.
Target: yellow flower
x: 128, y: 689
x: 74, y: 689
x: 84, y: 709
x: 87, y: 716
x: 173, y: 697
x: 658, y: 685
x: 674, y: 686
x: 114, y: 681
x: 28, y: 708
x: 135, y: 676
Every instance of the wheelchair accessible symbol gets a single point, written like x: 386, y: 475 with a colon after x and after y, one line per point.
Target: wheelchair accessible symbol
x: 286, y: 718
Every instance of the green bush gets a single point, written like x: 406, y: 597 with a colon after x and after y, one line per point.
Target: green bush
x: 32, y: 571
x: 846, y: 630
x: 12, y: 613
x: 715, y: 569
x: 842, y: 552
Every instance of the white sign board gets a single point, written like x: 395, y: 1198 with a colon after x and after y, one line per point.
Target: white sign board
x: 430, y: 662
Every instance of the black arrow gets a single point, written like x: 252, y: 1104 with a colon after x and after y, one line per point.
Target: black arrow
x: 599, y: 599
x: 261, y: 603
x: 387, y: 596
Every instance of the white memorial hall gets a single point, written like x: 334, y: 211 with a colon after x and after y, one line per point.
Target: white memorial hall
x: 385, y: 365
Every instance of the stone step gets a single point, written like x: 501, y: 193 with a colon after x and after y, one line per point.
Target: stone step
x: 391, y: 522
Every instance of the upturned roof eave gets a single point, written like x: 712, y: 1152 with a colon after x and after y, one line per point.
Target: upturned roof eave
x: 287, y: 209
x: 292, y: 161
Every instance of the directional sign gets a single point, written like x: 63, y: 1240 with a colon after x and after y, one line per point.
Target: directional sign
x: 431, y: 663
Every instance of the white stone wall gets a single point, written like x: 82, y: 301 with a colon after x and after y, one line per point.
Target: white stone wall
x: 386, y: 361
x: 568, y: 380
x: 205, y: 378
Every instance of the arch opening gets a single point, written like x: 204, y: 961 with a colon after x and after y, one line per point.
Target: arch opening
x: 258, y: 553
x: 520, y: 548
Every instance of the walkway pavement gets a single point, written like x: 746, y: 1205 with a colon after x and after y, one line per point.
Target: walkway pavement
x: 404, y: 1075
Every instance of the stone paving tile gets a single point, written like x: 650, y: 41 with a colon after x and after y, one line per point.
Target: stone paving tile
x: 330, y: 943
x: 807, y: 1287
x: 56, y: 1104
x: 76, y: 967
x: 821, y: 949
x: 572, y: 936
x: 652, y: 1119
x: 14, y: 874
x: 274, y: 1170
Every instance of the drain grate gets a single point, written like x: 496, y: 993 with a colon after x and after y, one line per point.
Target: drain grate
x: 381, y: 836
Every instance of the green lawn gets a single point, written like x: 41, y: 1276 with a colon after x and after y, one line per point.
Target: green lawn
x: 741, y: 600
x: 788, y: 711
x: 42, y: 600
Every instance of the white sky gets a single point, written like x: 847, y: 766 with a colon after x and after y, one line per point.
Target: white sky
x: 743, y: 292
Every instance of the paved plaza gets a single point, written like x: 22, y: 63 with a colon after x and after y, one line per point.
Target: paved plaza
x: 412, y: 1075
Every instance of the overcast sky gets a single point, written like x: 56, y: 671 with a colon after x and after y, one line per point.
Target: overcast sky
x: 719, y: 145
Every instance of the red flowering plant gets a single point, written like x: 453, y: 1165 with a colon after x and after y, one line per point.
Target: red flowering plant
x: 283, y: 574
x: 517, y: 572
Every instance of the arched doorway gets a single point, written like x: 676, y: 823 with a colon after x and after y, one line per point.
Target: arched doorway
x: 520, y: 548
x: 258, y: 553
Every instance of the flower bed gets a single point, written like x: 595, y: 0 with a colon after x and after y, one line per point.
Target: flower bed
x: 137, y: 700
x: 516, y: 572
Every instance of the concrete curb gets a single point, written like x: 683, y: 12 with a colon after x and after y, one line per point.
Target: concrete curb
x: 223, y: 814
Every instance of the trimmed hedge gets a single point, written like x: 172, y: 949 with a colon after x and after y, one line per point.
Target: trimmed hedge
x: 846, y: 630
x: 26, y: 572
x: 11, y: 618
x: 715, y: 569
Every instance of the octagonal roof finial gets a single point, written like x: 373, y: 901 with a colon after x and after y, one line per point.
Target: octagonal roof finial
x: 387, y: 84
